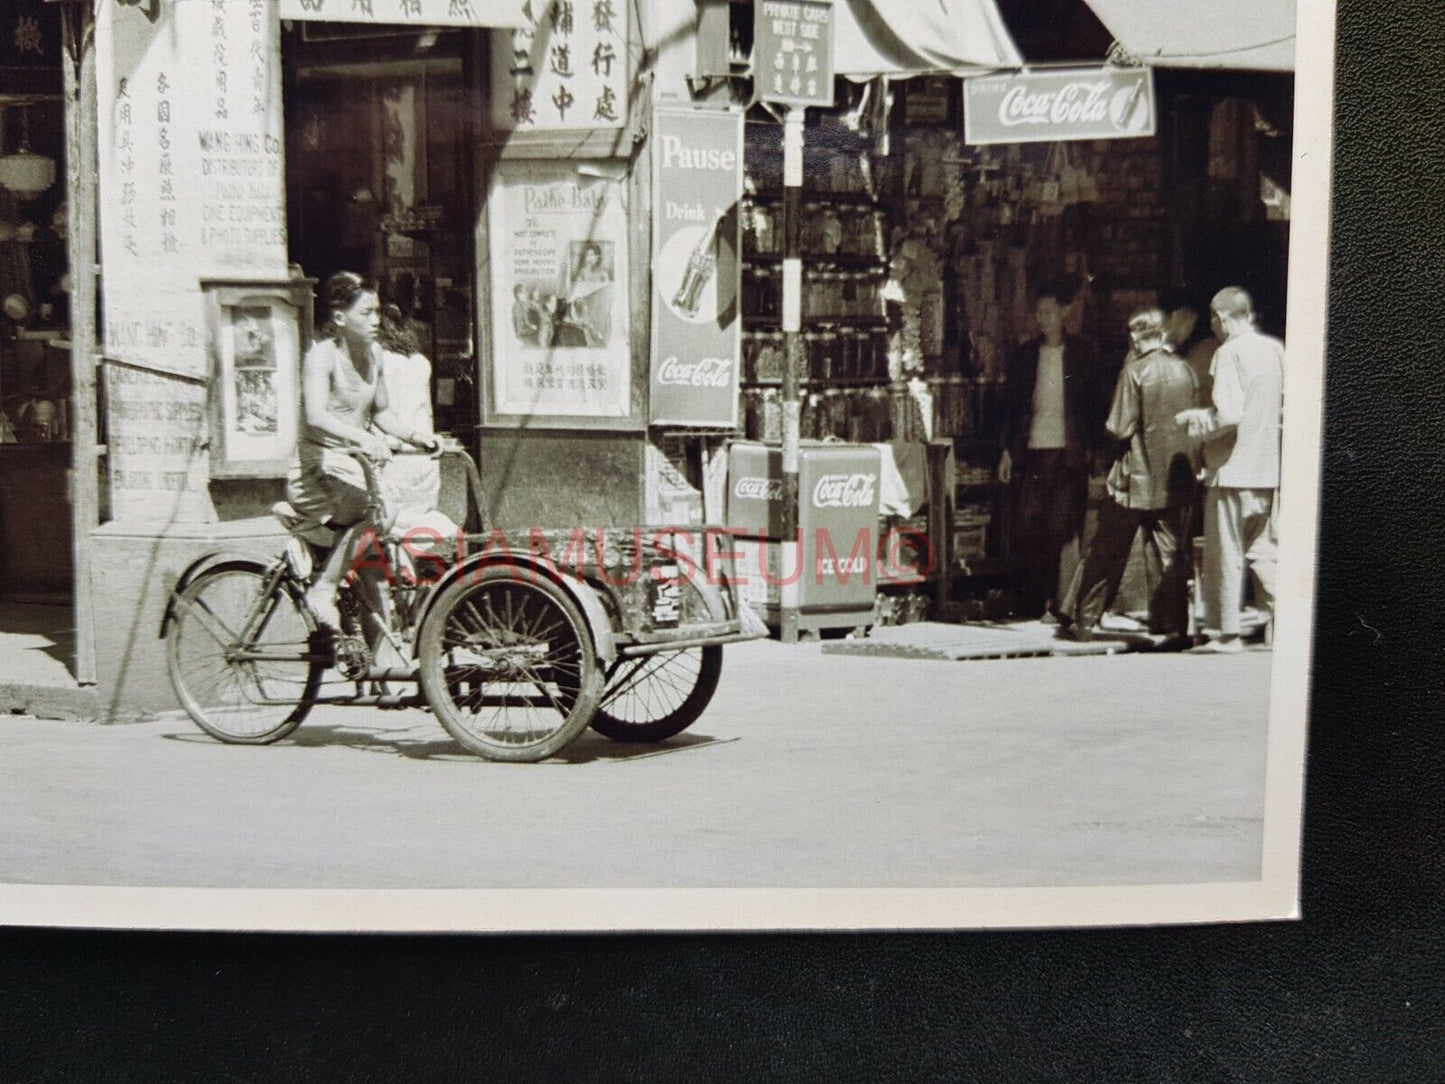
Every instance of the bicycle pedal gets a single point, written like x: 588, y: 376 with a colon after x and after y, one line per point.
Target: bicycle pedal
x: 352, y: 659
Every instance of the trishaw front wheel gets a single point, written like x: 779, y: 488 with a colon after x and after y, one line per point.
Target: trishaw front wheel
x: 508, y: 664
x: 240, y: 658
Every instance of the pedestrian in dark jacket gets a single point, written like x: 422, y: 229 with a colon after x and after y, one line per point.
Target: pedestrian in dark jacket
x: 1151, y: 487
x: 1051, y: 429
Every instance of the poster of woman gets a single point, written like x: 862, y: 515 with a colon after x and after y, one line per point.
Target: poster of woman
x: 559, y: 295
x: 588, y: 315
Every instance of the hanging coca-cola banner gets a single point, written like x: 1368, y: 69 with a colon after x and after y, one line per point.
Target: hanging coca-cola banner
x: 1050, y: 106
x: 698, y: 177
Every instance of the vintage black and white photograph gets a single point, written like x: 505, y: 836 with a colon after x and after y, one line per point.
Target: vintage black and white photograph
x: 386, y: 543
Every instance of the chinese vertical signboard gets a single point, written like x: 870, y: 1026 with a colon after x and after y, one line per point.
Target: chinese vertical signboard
x: 566, y: 68
x: 1051, y: 106
x: 560, y: 342
x: 697, y: 164
x: 191, y: 181
x: 793, y: 51
x: 191, y: 187
x: 407, y: 12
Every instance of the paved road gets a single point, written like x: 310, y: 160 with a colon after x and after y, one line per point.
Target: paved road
x: 809, y: 770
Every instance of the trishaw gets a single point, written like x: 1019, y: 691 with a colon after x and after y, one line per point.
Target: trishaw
x: 516, y: 640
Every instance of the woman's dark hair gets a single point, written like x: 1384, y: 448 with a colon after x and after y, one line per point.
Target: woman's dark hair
x: 396, y: 333
x: 589, y: 246
x: 340, y: 291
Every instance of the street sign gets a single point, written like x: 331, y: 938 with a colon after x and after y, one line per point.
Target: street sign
x: 1051, y: 106
x: 793, y: 51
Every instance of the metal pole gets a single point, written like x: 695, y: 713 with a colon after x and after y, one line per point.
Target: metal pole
x: 792, y: 363
x: 81, y: 157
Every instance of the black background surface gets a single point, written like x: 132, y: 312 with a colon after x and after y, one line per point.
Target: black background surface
x: 1351, y: 993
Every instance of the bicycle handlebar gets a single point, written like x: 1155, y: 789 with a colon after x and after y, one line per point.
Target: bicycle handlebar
x: 372, y: 475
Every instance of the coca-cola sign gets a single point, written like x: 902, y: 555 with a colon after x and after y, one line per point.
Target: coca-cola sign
x: 856, y: 490
x: 696, y: 269
x: 758, y: 489
x: 702, y: 373
x: 1035, y: 107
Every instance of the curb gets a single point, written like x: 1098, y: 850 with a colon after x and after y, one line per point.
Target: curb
x: 75, y: 703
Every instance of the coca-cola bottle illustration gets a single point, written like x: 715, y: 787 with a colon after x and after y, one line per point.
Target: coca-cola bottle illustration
x: 701, y: 266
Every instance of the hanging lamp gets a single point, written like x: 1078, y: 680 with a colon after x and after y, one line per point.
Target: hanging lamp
x: 24, y: 172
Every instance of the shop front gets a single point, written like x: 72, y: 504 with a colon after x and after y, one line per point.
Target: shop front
x: 38, y: 457
x: 577, y: 208
x: 492, y: 165
x: 938, y: 205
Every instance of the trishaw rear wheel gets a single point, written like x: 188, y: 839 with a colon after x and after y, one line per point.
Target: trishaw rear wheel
x: 654, y: 697
x: 508, y: 664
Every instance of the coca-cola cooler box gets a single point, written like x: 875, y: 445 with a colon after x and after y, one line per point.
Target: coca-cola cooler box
x: 833, y: 587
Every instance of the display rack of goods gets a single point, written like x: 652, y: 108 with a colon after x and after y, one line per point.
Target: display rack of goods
x: 843, y: 241
x: 974, y: 474
x: 970, y: 532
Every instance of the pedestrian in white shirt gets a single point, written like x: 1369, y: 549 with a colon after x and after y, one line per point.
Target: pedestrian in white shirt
x: 1241, y: 433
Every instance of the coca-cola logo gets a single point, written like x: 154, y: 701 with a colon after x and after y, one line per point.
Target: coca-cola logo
x: 703, y: 373
x: 758, y: 489
x: 846, y: 491
x: 1079, y: 102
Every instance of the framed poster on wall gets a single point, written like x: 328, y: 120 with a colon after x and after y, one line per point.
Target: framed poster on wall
x: 257, y: 334
x: 561, y: 348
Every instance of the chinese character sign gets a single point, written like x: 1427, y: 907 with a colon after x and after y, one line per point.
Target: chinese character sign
x: 567, y: 68
x: 560, y: 342
x: 191, y: 178
x: 793, y: 51
x: 698, y: 177
x: 407, y: 12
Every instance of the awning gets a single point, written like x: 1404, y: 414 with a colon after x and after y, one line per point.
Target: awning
x: 1255, y: 35
x: 421, y: 13
x: 889, y: 37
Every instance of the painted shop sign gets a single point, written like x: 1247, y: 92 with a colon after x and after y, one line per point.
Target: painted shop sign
x: 558, y: 267
x: 191, y: 174
x: 156, y: 427
x: 793, y: 51
x: 565, y: 67
x: 1047, y: 107
x: 697, y: 170
x: 404, y: 12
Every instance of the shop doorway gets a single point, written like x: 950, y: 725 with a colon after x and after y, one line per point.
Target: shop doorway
x: 379, y: 180
x: 37, y: 562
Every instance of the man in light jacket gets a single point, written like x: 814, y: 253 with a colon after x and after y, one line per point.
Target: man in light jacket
x: 1241, y: 433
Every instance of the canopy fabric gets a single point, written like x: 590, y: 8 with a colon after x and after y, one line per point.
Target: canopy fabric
x: 897, y: 38
x: 1256, y: 35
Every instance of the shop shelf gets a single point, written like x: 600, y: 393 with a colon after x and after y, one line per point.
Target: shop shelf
x: 812, y: 195
x: 835, y: 259
x: 776, y: 322
x: 831, y: 382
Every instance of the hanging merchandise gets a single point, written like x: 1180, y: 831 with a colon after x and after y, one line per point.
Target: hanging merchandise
x: 1051, y: 186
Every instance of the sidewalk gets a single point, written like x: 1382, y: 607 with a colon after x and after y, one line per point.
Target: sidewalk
x: 1007, y: 639
x: 37, y: 649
